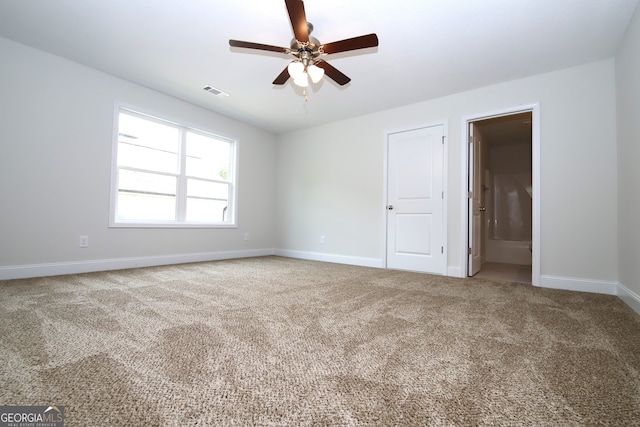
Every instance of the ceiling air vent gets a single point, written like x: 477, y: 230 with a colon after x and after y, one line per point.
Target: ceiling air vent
x: 216, y: 92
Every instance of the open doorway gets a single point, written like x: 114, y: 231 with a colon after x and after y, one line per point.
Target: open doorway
x: 501, y: 214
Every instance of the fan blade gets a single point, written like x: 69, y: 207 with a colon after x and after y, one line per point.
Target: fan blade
x: 282, y: 77
x: 362, y: 42
x: 259, y: 46
x: 333, y: 72
x: 298, y: 20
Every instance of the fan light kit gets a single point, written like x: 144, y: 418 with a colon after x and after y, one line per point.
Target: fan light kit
x: 308, y: 66
x: 301, y: 73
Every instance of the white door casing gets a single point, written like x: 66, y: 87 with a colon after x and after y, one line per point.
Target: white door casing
x: 415, y: 177
x: 536, y: 172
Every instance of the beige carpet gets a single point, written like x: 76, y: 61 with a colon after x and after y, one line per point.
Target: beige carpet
x: 276, y: 341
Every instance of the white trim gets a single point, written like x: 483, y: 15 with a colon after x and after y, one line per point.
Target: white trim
x: 338, y: 259
x: 385, y: 194
x: 176, y: 120
x: 536, y: 278
x: 536, y: 171
x: 445, y: 197
x: 579, y: 284
x: 76, y: 267
x: 456, y: 272
x: 184, y: 126
x: 631, y: 298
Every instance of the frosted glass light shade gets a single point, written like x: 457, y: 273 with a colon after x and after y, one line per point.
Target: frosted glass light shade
x: 315, y: 73
x: 296, y: 70
x: 302, y: 80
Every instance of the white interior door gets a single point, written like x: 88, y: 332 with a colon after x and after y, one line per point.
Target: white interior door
x: 415, y: 176
x: 476, y: 208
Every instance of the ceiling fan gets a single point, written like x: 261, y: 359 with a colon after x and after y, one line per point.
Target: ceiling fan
x: 308, y: 51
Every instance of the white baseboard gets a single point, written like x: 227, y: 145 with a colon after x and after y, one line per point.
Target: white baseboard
x: 338, y: 259
x: 577, y: 284
x: 76, y: 267
x: 631, y: 298
x: 456, y: 272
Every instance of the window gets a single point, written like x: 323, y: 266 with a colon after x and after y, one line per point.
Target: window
x: 170, y: 175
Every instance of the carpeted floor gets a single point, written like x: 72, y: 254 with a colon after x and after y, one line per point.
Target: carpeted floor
x: 284, y: 342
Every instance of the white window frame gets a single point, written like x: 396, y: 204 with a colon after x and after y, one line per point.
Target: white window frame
x: 232, y: 210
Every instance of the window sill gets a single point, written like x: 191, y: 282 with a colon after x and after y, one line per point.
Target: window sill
x: 171, y: 224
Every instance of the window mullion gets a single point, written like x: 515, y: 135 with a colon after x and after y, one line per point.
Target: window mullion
x: 181, y: 198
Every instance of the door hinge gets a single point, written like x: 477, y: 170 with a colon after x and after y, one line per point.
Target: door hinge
x: 441, y: 249
x: 443, y: 137
x: 469, y: 251
x: 469, y: 194
x: 443, y: 195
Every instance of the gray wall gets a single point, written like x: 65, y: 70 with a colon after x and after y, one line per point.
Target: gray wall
x: 55, y: 166
x: 330, y: 178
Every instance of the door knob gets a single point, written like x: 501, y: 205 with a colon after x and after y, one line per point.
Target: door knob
x: 390, y: 207
x: 482, y: 209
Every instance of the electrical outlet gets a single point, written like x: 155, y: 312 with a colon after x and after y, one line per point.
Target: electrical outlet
x: 322, y: 239
x: 83, y: 241
x: 246, y: 236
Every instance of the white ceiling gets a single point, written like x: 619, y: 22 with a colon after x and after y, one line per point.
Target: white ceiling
x: 428, y: 48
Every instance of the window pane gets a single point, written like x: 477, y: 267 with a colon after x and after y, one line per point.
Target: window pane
x: 143, y: 182
x: 207, y: 189
x: 145, y: 196
x: 207, y: 201
x: 146, y: 144
x: 168, y: 174
x: 207, y: 210
x: 139, y: 206
x: 207, y: 157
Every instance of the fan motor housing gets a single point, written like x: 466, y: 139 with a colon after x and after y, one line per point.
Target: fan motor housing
x: 311, y: 46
